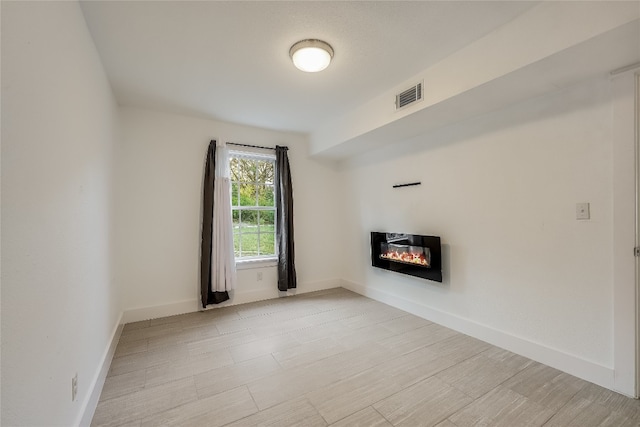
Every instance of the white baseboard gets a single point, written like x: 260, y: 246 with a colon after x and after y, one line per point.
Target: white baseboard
x: 237, y: 297
x: 576, y: 366
x: 155, y: 311
x: 95, y: 388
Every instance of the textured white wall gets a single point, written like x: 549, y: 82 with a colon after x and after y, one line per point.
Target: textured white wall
x: 160, y: 175
x: 59, y: 303
x: 501, y: 192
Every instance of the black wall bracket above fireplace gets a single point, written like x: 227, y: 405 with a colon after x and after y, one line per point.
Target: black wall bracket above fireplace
x: 412, y: 254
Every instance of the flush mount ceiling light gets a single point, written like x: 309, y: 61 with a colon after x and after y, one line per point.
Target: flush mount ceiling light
x: 311, y: 55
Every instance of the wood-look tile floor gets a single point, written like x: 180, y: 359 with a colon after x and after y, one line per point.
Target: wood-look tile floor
x: 336, y: 358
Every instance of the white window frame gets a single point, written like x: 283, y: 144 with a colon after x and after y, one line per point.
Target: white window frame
x: 261, y: 260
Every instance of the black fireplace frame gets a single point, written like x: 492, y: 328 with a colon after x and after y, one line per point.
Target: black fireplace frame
x: 433, y: 272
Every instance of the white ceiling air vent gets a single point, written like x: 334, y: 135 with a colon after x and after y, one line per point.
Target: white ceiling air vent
x: 409, y: 96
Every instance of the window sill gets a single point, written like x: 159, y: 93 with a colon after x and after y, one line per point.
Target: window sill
x: 246, y: 264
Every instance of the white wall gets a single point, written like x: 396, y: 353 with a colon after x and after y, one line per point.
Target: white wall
x: 501, y: 190
x: 60, y: 306
x: 160, y: 175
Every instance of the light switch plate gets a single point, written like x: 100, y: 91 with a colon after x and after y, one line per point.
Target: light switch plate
x: 582, y: 211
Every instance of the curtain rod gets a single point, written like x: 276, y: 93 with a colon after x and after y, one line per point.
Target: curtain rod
x: 253, y: 146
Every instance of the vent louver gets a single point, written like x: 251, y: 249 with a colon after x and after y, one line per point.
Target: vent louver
x: 409, y: 96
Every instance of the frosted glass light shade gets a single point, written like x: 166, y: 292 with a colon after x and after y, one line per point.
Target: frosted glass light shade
x: 311, y: 55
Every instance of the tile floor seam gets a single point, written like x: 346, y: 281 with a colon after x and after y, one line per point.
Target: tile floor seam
x: 473, y: 400
x: 253, y: 399
x: 417, y: 382
x: 320, y: 413
x: 489, y: 391
x: 566, y: 404
x: 379, y: 413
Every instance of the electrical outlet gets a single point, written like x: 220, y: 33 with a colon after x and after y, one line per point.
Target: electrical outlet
x: 582, y: 211
x: 74, y: 387
x: 259, y: 276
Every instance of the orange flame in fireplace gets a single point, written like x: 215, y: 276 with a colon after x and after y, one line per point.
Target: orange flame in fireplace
x: 408, y: 257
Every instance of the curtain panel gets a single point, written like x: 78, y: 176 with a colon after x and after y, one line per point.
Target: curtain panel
x: 217, y: 262
x: 223, y: 264
x: 284, y: 222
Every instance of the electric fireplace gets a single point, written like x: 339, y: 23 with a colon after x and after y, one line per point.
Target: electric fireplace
x: 411, y: 254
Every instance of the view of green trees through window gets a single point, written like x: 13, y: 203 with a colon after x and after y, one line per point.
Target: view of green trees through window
x: 252, y: 205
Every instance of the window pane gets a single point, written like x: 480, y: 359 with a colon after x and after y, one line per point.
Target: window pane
x: 250, y: 244
x: 244, y: 170
x: 248, y: 194
x: 249, y: 223
x: 251, y: 187
x: 267, y: 246
x: 265, y: 195
x: 266, y: 221
x: 264, y: 171
x: 234, y: 194
x: 234, y: 168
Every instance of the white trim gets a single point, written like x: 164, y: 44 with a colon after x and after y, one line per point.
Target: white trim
x: 636, y: 115
x: 624, y: 224
x: 95, y: 388
x: 192, y: 305
x: 248, y: 154
x: 574, y: 365
x: 137, y: 314
x: 246, y: 263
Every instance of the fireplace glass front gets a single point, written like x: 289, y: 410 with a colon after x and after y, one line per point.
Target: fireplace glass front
x: 411, y: 254
x: 414, y: 255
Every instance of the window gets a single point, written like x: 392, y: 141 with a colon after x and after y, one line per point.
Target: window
x: 252, y: 205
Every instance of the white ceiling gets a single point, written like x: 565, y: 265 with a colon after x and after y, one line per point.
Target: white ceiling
x: 229, y: 60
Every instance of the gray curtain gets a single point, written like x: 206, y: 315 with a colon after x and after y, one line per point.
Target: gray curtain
x: 284, y: 222
x: 208, y: 296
